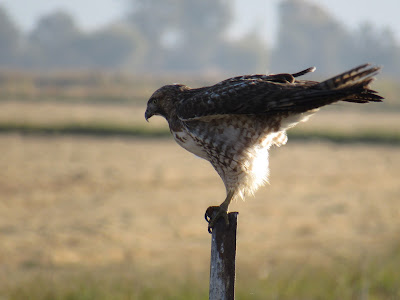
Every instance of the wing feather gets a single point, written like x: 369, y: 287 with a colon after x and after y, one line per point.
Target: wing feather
x: 280, y: 93
x: 250, y: 94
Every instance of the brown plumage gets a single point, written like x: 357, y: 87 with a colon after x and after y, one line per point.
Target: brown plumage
x: 233, y: 124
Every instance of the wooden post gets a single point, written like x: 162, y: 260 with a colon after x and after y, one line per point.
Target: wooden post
x: 223, y: 259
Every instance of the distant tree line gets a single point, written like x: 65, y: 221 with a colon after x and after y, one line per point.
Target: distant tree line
x: 309, y: 36
x: 190, y: 36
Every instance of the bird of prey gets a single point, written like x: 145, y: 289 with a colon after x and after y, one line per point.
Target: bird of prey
x: 233, y: 123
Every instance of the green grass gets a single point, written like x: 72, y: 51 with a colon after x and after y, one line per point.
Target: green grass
x: 381, y: 137
x: 95, y: 129
x: 375, y: 279
x: 112, y: 129
x: 371, y: 278
x: 102, y: 283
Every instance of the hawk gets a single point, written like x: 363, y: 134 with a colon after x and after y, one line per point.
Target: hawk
x: 233, y: 123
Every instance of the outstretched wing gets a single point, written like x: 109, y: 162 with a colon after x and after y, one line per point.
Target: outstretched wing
x: 263, y: 94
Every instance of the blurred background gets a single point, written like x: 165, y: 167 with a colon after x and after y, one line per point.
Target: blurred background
x: 186, y: 36
x: 95, y: 203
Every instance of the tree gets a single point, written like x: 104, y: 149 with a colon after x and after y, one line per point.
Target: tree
x: 10, y: 40
x: 115, y: 46
x: 181, y: 34
x: 309, y: 36
x: 53, y: 41
x: 244, y: 56
x: 153, y: 19
x: 204, y: 23
x: 57, y: 42
x: 378, y: 46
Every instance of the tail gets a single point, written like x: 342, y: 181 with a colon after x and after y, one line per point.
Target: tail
x: 350, y: 86
x: 353, y: 85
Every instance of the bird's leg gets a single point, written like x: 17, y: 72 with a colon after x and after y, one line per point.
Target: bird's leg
x: 214, y: 213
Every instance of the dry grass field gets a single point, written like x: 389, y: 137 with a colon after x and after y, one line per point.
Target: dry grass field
x: 85, y: 217
x: 87, y: 203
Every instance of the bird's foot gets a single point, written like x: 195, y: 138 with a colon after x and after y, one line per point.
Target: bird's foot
x: 213, y: 214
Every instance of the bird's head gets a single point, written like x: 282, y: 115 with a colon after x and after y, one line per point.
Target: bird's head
x: 162, y: 101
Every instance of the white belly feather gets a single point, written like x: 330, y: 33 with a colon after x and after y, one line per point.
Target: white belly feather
x: 238, y: 153
x: 245, y: 172
x: 186, y: 141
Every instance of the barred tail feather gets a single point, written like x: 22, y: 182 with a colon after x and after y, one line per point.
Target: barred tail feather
x: 351, y: 76
x: 355, y: 83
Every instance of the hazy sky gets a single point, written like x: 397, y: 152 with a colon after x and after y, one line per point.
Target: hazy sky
x: 259, y: 14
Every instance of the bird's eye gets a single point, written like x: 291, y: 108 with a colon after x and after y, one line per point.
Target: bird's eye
x: 154, y: 101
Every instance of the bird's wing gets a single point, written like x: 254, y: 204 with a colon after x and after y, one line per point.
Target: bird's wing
x: 248, y: 94
x: 281, y: 93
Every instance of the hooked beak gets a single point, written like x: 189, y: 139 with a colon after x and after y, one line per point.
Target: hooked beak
x: 148, y: 115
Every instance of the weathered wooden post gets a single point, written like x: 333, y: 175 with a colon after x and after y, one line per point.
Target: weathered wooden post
x: 223, y: 259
